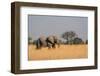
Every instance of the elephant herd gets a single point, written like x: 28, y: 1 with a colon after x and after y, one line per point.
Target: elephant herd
x: 50, y: 42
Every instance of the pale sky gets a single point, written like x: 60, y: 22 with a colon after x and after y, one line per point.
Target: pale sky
x: 56, y: 25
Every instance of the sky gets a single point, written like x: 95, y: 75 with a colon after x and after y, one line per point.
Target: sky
x: 45, y: 25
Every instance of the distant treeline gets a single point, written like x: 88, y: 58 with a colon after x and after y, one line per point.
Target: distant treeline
x: 70, y: 38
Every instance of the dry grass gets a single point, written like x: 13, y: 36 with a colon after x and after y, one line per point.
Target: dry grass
x: 63, y: 52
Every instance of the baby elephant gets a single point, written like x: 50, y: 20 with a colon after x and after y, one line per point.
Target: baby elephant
x: 49, y: 42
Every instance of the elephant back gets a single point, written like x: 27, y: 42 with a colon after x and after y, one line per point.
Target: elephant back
x: 43, y: 40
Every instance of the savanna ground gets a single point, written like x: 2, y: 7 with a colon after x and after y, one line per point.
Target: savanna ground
x: 63, y: 52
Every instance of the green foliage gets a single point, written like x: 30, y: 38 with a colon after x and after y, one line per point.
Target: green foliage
x: 34, y: 42
x: 86, y: 41
x: 29, y: 40
x: 77, y: 41
x: 72, y: 38
x: 69, y: 36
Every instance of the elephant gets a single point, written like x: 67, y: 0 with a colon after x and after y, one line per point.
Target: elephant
x: 49, y: 42
x: 41, y: 42
x: 52, y: 41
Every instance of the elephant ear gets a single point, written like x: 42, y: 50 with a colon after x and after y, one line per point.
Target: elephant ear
x: 42, y: 38
x: 51, y: 39
x: 55, y: 37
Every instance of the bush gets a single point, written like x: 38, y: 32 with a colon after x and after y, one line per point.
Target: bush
x: 86, y: 41
x: 69, y: 36
x: 34, y: 42
x: 77, y: 41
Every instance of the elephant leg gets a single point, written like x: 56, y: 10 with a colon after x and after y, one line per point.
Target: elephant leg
x: 58, y: 45
x: 49, y: 45
x: 38, y: 44
x: 53, y: 45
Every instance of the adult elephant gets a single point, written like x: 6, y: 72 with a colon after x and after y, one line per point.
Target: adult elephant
x: 52, y: 41
x: 41, y: 42
x: 49, y: 42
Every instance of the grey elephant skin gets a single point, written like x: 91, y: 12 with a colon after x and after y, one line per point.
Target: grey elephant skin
x: 50, y: 42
